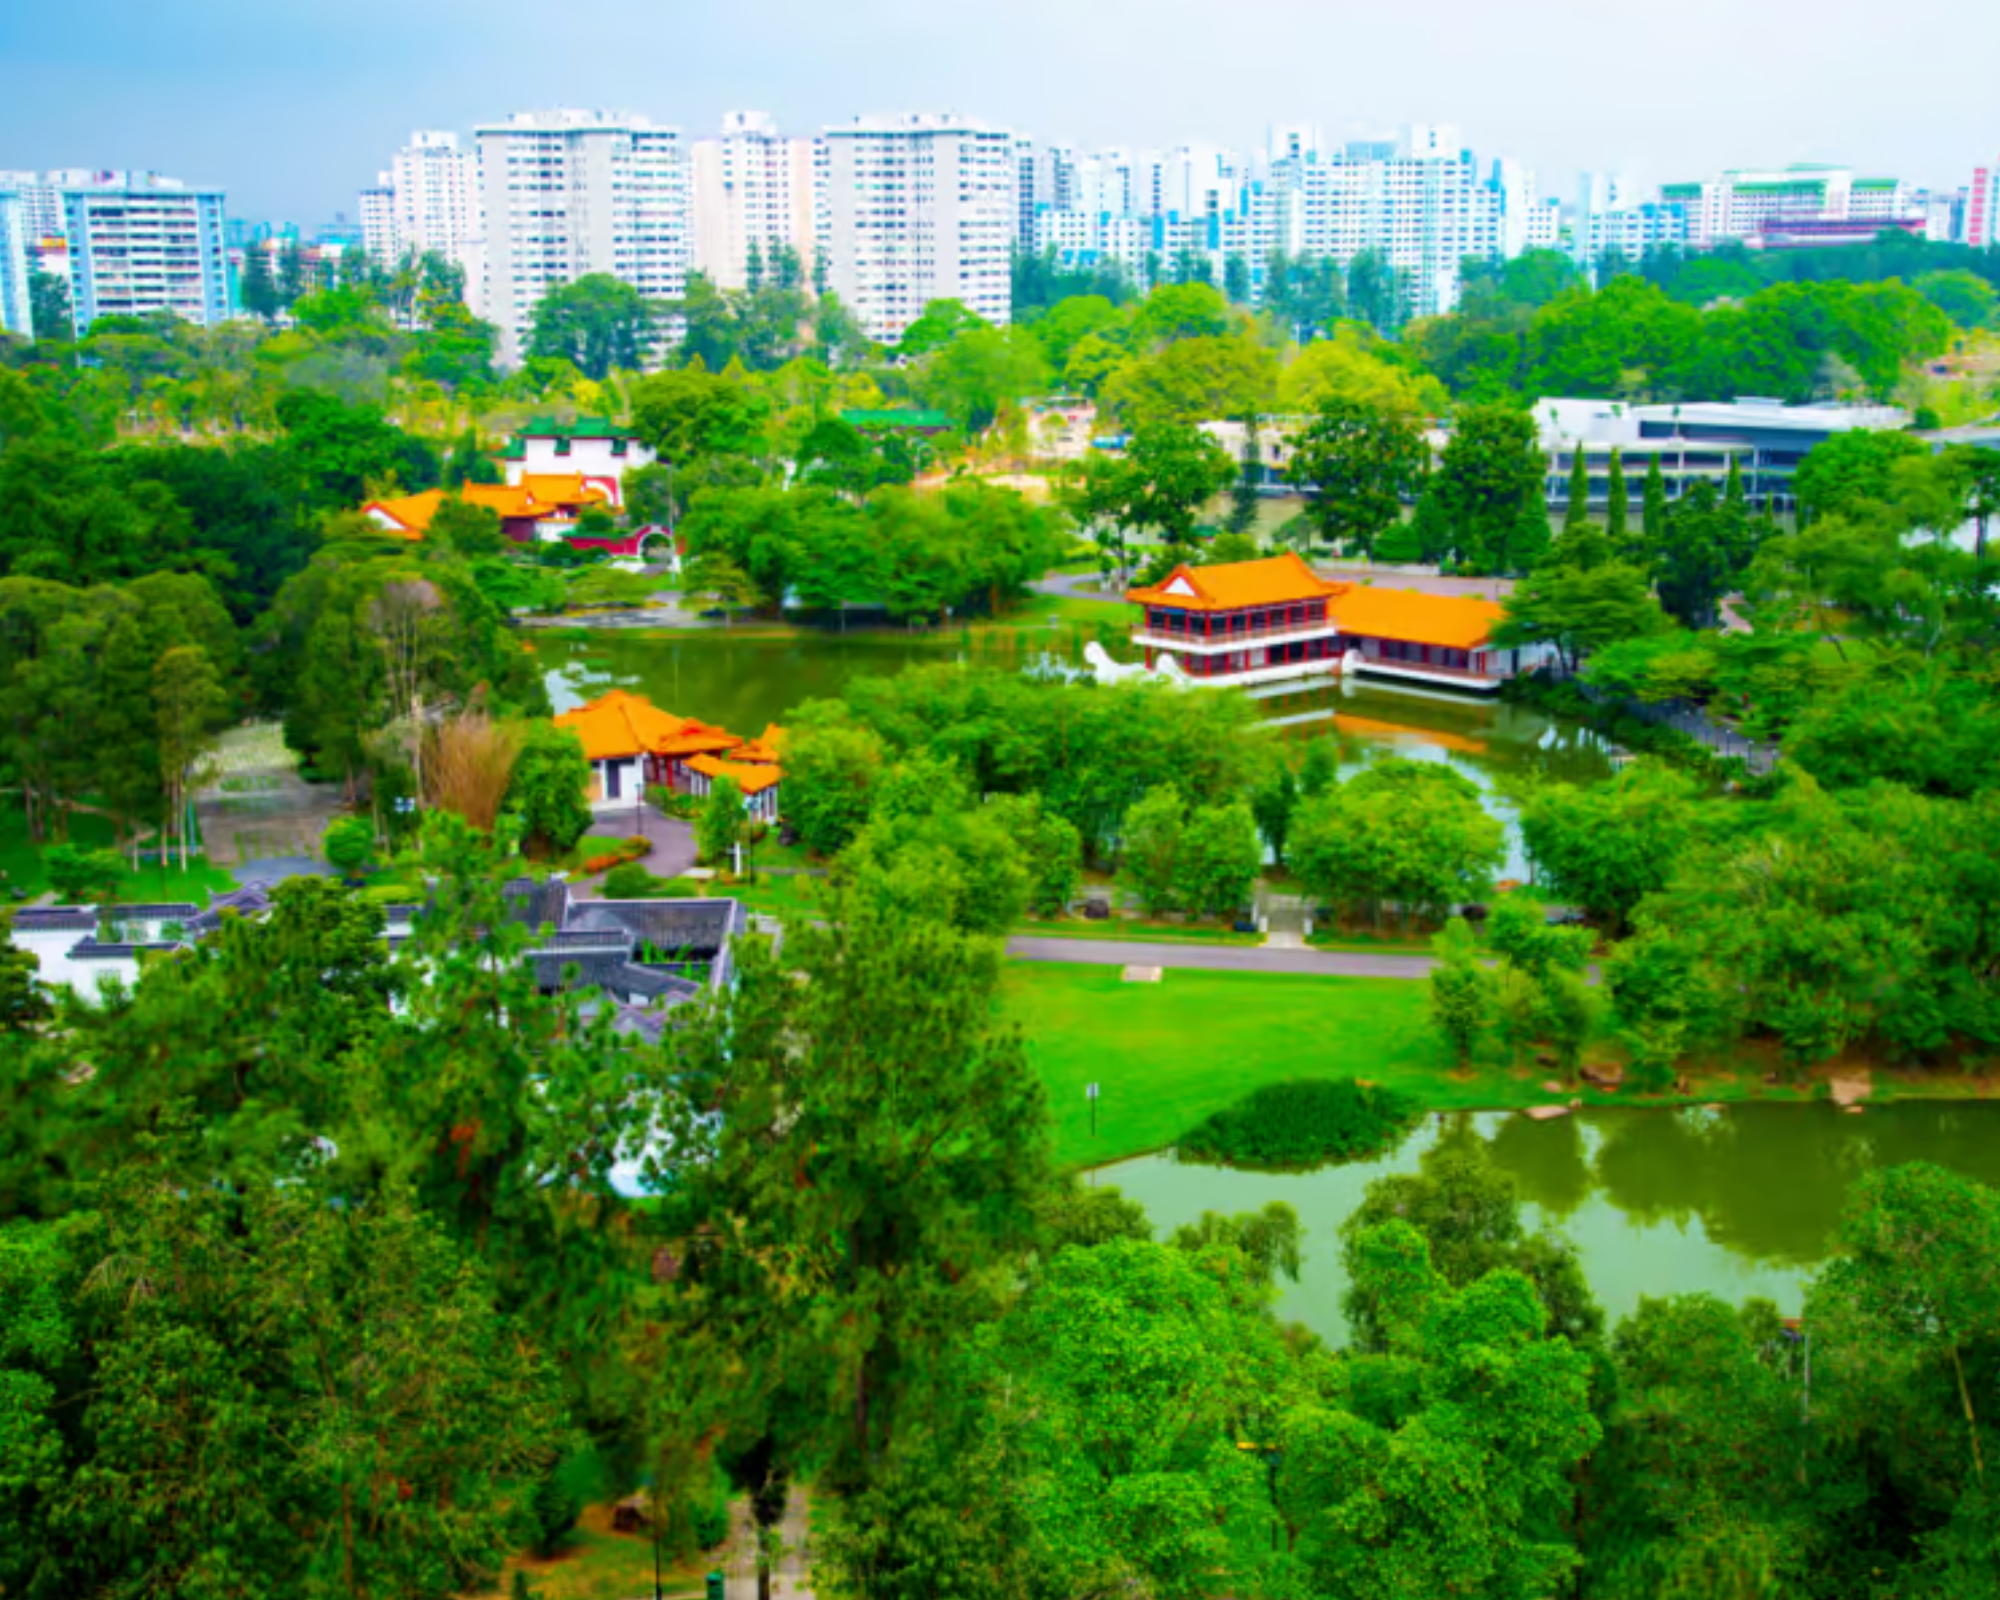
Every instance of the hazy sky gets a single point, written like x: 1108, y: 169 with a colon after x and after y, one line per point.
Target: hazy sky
x: 295, y: 106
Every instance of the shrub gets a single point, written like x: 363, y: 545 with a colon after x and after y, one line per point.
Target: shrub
x: 631, y: 881
x: 555, y: 1508
x: 349, y: 844
x: 709, y: 1518
x: 1308, y: 1122
x: 83, y: 877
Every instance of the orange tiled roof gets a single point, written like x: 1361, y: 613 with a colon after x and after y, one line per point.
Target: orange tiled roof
x: 751, y: 780
x: 697, y: 738
x: 1458, y: 622
x: 618, y: 725
x: 1275, y: 580
x: 767, y: 747
x: 562, y: 489
x: 535, y: 496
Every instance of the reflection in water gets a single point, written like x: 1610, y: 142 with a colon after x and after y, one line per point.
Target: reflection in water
x: 1548, y: 1162
x: 1737, y: 1202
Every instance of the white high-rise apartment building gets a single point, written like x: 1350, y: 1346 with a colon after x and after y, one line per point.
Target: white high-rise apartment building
x: 753, y: 186
x: 140, y: 243
x: 378, y: 221
x: 428, y: 201
x: 920, y: 208
x: 1419, y: 201
x: 564, y: 194
x: 1629, y: 231
x: 40, y: 196
x: 17, y: 315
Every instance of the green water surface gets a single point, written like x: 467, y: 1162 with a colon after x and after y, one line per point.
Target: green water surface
x: 1738, y: 1202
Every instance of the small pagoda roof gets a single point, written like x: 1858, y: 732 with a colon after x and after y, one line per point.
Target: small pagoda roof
x: 1238, y: 585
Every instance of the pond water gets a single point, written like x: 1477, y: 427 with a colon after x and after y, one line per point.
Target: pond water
x: 1739, y: 1201
x: 744, y: 683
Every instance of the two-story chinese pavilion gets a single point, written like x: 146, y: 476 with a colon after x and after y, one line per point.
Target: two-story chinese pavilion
x: 1247, y: 623
x: 1243, y: 623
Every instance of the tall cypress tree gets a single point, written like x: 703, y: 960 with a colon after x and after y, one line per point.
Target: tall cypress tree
x: 1614, y: 516
x: 1653, y: 514
x: 1732, y: 491
x: 1577, y: 516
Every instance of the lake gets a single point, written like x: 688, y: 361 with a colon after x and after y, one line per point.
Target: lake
x: 744, y: 683
x: 1738, y: 1201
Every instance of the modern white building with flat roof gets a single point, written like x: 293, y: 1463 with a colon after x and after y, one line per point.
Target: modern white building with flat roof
x: 1744, y: 204
x: 1695, y: 441
x: 140, y: 243
x: 755, y: 193
x: 920, y: 208
x: 564, y: 194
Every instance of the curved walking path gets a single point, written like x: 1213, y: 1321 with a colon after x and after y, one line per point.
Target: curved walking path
x: 1219, y: 958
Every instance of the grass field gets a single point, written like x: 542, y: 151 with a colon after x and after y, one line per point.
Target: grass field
x: 1166, y: 1054
x: 21, y: 861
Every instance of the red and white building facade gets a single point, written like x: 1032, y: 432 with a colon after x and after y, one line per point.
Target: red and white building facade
x: 1251, y: 623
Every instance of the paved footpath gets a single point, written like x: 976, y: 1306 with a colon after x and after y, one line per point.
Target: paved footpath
x: 1219, y: 958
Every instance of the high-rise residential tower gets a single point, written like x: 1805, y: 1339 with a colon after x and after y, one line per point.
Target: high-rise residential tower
x: 1982, y: 207
x: 17, y: 312
x: 140, y: 243
x: 428, y: 201
x: 920, y: 208
x: 755, y: 193
x: 566, y: 194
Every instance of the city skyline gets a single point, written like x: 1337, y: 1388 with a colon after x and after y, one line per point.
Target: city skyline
x: 300, y: 107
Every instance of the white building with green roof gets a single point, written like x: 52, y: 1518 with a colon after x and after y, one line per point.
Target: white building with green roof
x: 598, y: 451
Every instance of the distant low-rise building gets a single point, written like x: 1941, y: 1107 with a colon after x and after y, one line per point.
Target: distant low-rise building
x: 1748, y: 205
x: 1694, y: 442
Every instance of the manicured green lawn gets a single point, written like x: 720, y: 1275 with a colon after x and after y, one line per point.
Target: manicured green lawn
x: 1166, y: 1054
x: 21, y: 861
x: 791, y: 895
